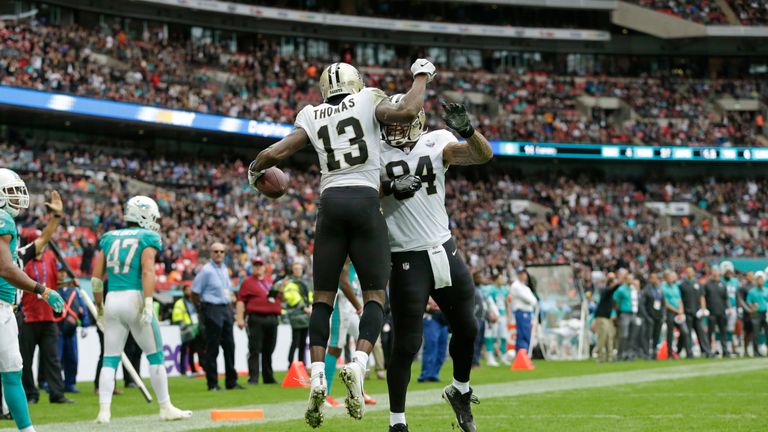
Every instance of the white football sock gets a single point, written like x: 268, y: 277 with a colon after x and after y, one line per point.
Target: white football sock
x: 361, y: 357
x: 159, y: 378
x: 460, y: 386
x: 106, y: 386
x: 317, y: 368
x: 28, y: 429
x: 395, y: 418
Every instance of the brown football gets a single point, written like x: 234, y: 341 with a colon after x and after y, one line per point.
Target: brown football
x: 273, y: 183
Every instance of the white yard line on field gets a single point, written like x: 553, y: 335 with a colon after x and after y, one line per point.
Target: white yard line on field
x: 294, y: 410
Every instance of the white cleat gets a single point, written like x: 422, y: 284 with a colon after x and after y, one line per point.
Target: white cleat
x: 352, y: 374
x: 104, y: 417
x: 490, y: 360
x: 171, y: 413
x: 318, y: 390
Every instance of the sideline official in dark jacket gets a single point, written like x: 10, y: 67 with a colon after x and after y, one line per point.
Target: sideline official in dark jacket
x: 652, y: 313
x: 693, y: 305
x: 716, y: 294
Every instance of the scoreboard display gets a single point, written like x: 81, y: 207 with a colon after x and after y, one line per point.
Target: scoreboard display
x: 629, y: 152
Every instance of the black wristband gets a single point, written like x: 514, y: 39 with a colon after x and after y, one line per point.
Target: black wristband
x: 467, y: 133
x: 39, y: 289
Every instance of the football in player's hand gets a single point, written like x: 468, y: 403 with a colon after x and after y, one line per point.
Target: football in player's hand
x: 273, y: 183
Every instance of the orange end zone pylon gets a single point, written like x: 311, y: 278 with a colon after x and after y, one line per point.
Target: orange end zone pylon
x: 235, y: 415
x: 297, y: 376
x: 522, y: 361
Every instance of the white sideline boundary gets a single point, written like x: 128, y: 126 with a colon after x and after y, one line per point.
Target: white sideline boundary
x: 294, y: 410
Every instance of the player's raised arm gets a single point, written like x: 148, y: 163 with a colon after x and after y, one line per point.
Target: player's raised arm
x: 476, y: 150
x: 406, y: 110
x: 55, y: 207
x: 14, y: 276
x: 277, y: 152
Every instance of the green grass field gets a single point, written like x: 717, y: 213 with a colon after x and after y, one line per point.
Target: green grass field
x: 640, y: 396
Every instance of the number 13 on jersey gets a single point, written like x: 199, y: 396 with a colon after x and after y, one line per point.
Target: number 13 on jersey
x: 356, y: 144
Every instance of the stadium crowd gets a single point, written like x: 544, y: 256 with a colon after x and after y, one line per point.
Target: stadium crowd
x: 750, y: 12
x: 708, y: 12
x: 203, y: 200
x: 600, y: 228
x: 700, y: 11
x: 260, y: 83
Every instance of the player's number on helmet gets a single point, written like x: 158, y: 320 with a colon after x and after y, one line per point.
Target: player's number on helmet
x: 323, y: 134
x: 424, y: 170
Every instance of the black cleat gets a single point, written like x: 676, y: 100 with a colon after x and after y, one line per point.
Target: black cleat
x: 398, y: 428
x: 461, y: 404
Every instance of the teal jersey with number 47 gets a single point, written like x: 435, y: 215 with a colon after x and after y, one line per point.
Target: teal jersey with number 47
x: 8, y: 227
x: 122, y: 250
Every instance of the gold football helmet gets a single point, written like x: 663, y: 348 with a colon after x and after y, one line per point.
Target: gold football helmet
x: 340, y: 78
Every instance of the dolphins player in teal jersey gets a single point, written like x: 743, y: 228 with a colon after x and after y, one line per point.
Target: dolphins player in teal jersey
x: 127, y: 257
x: 13, y: 199
x: 344, y: 319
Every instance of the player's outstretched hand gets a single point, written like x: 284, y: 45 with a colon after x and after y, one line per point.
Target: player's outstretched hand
x: 54, y: 300
x: 406, y: 183
x: 147, y: 314
x: 55, y: 205
x: 424, y: 66
x: 456, y: 117
x: 253, y: 175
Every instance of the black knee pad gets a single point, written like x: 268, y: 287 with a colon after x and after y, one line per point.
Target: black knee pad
x: 371, y: 322
x: 319, y: 324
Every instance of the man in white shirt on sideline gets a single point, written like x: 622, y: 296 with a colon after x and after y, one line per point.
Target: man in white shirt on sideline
x: 523, y: 303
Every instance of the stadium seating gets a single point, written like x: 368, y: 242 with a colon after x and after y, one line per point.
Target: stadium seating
x: 700, y: 11
x: 261, y: 84
x: 750, y: 12
x: 596, y: 225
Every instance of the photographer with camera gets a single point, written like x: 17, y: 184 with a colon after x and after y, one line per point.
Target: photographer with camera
x: 258, y: 309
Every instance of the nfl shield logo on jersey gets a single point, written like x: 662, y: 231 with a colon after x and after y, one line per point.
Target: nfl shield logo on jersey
x: 406, y: 265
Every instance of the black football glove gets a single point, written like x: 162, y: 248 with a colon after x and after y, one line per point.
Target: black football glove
x: 405, y: 184
x: 456, y: 117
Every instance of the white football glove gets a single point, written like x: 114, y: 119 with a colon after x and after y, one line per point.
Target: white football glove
x: 423, y: 66
x: 253, y: 175
x: 147, y: 314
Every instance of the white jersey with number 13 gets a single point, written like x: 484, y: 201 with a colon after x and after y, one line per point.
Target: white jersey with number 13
x: 347, y: 139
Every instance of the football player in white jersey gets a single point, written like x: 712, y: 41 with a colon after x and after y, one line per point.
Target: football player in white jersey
x: 345, y: 132
x: 425, y: 258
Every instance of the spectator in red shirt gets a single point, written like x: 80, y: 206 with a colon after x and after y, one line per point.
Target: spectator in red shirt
x: 37, y: 322
x: 39, y: 329
x: 258, y: 309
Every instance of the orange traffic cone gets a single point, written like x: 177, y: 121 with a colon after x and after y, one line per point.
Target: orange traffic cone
x: 522, y: 361
x: 297, y: 376
x: 663, y: 353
